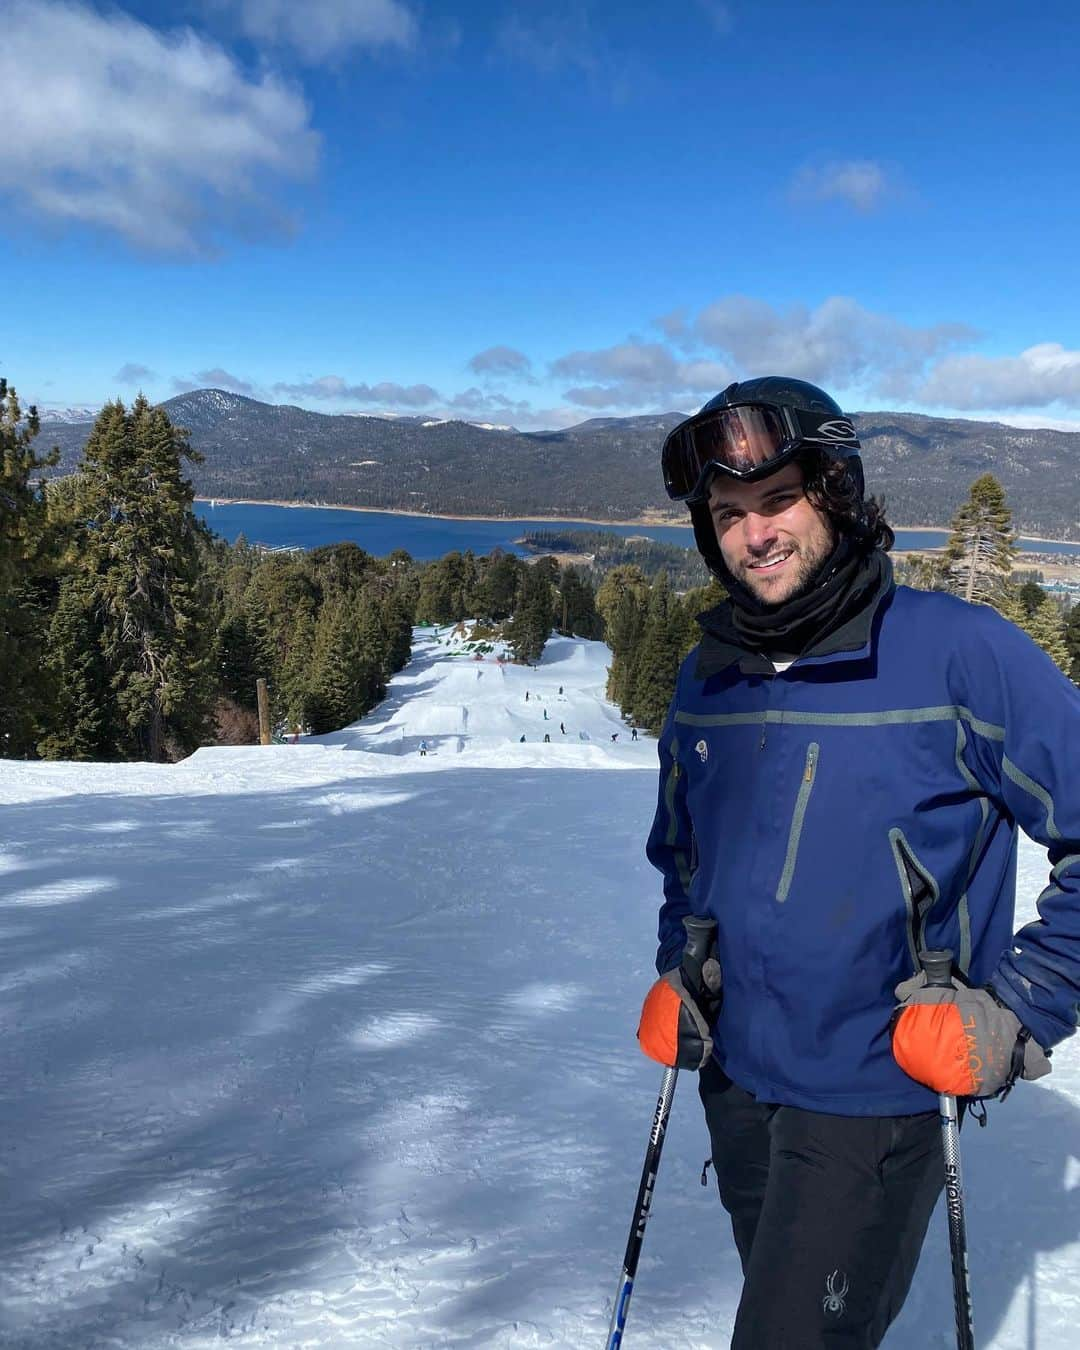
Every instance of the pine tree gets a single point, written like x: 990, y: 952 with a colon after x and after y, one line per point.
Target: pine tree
x: 82, y: 716
x: 144, y: 572
x: 922, y: 571
x: 1031, y: 595
x: 332, y: 694
x: 1072, y: 641
x: 622, y: 601
x: 296, y: 683
x: 576, y: 606
x: 979, y: 555
x: 530, y: 628
x: 435, y: 601
x: 341, y: 568
x: 240, y: 658
x: 497, y: 586
x: 658, y: 657
x: 26, y: 587
x: 371, y: 649
x: 693, y: 603
x: 396, y: 621
x: 1008, y: 604
x: 1046, y: 626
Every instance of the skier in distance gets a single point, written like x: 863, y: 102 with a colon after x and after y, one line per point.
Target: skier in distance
x: 843, y: 771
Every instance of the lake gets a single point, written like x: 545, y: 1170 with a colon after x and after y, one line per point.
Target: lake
x: 427, y: 537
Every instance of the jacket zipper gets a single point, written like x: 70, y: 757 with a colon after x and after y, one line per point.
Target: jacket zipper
x: 920, y: 891
x: 802, y: 800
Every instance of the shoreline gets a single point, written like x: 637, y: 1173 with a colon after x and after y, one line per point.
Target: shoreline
x: 648, y: 521
x: 651, y: 521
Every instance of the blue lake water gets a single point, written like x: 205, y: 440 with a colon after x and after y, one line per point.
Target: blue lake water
x: 427, y: 537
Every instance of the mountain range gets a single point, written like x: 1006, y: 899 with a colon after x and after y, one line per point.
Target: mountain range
x: 605, y: 468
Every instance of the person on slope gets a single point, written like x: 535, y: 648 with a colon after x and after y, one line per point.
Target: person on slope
x: 843, y: 772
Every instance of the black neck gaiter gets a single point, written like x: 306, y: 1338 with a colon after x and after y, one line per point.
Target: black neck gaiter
x: 848, y: 579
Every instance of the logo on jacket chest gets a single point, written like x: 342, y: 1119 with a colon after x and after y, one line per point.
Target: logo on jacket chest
x: 703, y: 751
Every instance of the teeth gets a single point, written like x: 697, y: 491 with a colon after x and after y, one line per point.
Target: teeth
x: 771, y: 559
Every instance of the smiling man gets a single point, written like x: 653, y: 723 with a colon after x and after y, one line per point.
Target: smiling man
x: 843, y: 771
x: 773, y: 539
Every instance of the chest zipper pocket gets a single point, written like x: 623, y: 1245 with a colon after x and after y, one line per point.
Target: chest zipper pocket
x: 802, y: 801
x: 921, y: 893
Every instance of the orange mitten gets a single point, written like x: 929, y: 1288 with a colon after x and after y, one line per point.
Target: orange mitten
x: 962, y: 1041
x: 675, y: 1026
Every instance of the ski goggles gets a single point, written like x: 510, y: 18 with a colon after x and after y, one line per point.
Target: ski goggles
x: 748, y: 442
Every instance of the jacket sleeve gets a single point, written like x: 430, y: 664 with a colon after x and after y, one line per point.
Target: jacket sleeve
x: 1026, y: 754
x: 670, y: 848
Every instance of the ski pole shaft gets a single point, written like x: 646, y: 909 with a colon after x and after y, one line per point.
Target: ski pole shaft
x: 938, y: 968
x: 700, y: 937
x: 642, y: 1206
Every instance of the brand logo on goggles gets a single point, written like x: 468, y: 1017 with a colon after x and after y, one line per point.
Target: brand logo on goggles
x: 840, y: 429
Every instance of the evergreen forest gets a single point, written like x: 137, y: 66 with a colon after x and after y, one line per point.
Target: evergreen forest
x: 129, y: 632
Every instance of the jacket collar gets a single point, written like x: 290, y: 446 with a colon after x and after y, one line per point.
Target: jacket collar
x: 722, y: 646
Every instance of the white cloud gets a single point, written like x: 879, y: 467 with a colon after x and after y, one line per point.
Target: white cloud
x: 636, y: 362
x: 837, y: 342
x: 560, y: 38
x: 637, y: 374
x: 215, y: 378
x: 1036, y: 421
x: 672, y: 324
x: 500, y: 361
x: 160, y: 138
x: 861, y: 183
x: 321, y: 30
x: 1040, y: 375
x: 548, y: 42
x: 385, y: 394
x: 476, y: 403
x: 132, y: 373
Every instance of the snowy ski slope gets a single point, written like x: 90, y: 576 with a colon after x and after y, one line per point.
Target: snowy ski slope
x: 333, y: 1045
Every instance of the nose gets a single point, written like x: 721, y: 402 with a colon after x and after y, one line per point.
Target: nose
x: 759, y: 531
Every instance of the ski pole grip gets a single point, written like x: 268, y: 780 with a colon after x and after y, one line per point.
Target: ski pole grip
x: 700, y: 936
x: 937, y: 967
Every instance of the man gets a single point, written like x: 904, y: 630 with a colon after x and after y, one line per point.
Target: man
x: 842, y: 773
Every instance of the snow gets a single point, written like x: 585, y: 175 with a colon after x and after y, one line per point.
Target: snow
x: 67, y: 415
x: 333, y: 1045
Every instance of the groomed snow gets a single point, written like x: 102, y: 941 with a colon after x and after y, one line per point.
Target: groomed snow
x: 333, y: 1045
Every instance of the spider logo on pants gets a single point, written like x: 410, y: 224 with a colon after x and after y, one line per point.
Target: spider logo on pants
x: 836, y: 1287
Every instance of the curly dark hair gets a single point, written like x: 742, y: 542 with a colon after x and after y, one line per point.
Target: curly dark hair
x: 832, y: 488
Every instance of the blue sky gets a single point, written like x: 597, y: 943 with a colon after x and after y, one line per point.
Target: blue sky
x: 536, y: 213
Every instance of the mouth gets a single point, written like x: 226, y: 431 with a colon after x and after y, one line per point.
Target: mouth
x: 772, y: 563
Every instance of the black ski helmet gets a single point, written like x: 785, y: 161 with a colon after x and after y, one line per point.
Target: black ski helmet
x: 814, y: 420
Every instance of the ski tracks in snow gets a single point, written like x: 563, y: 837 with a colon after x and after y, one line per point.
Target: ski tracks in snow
x: 323, y: 1046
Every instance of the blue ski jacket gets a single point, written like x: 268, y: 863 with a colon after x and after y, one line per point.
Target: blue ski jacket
x: 864, y: 803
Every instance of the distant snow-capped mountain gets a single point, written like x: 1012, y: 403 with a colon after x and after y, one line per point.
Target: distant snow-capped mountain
x: 66, y: 416
x: 605, y: 468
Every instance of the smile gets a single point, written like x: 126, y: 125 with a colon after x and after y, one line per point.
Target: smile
x: 772, y: 562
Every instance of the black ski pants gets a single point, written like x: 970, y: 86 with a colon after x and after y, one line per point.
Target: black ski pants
x: 829, y: 1215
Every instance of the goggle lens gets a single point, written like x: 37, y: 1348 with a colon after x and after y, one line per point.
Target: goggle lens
x: 738, y: 439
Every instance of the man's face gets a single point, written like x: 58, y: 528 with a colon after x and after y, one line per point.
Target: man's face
x: 771, y: 536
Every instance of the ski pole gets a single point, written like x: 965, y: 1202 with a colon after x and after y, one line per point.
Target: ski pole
x: 938, y: 968
x: 700, y: 934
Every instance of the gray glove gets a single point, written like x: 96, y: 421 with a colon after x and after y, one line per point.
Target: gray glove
x: 961, y: 1040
